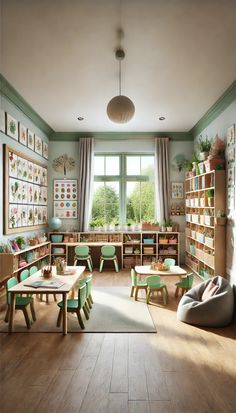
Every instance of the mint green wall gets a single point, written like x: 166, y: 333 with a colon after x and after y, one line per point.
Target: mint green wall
x: 9, y: 107
x: 219, y: 126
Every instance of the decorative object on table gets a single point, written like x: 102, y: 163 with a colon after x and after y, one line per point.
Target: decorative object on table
x: 12, y: 127
x: 65, y: 198
x: 60, y: 265
x: 2, y: 121
x: 30, y: 136
x: 38, y: 145
x: 204, y: 147
x: 22, y: 134
x: 177, y: 190
x: 25, y: 200
x: 63, y: 163
x: 230, y: 136
x: 54, y: 223
x: 45, y: 150
x: 46, y: 272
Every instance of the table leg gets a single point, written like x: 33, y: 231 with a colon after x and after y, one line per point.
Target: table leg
x: 12, y: 312
x: 64, y: 313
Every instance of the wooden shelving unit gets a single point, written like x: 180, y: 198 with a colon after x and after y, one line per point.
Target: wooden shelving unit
x: 205, y: 239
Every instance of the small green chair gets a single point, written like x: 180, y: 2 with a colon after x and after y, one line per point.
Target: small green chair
x: 33, y: 270
x: 169, y: 261
x: 108, y: 253
x: 154, y: 284
x: 24, y: 275
x: 82, y: 253
x: 136, y: 285
x: 89, y: 300
x: 185, y: 284
x: 21, y: 303
x: 74, y: 306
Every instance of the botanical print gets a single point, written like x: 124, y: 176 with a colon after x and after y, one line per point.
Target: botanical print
x: 231, y: 135
x: 44, y: 177
x: 24, y: 216
x: 38, y: 145
x: 24, y: 169
x: 30, y: 193
x: 19, y: 216
x: 2, y: 121
x: 231, y: 155
x: 65, y: 209
x: 30, y: 171
x: 40, y: 175
x: 30, y: 140
x: 44, y: 215
x: 231, y: 177
x: 13, y: 190
x: 35, y: 194
x: 40, y: 195
x: 12, y: 164
x: 19, y: 191
x: 45, y: 150
x: 24, y: 192
x: 19, y: 167
x: 12, y: 127
x: 65, y: 189
x: 12, y: 216
x: 177, y: 190
x: 44, y: 195
x: 40, y: 216
x: 36, y: 221
x: 22, y: 134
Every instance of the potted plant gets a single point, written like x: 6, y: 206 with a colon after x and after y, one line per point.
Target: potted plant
x: 163, y: 227
x: 204, y: 148
x: 168, y: 225
x: 21, y: 242
x: 210, y: 197
x: 220, y: 218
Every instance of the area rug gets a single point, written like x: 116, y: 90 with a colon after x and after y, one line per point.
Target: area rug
x: 114, y: 311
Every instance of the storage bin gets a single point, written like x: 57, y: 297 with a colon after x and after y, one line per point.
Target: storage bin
x: 209, y: 242
x: 56, y: 237
x: 209, y: 220
x: 148, y: 250
x: 148, y: 240
x: 58, y: 250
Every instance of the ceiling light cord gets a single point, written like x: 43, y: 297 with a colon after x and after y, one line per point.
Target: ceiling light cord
x: 120, y: 77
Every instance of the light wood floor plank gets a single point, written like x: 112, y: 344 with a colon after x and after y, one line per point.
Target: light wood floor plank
x: 138, y: 407
x: 137, y: 375
x: 119, y: 380
x: 118, y: 403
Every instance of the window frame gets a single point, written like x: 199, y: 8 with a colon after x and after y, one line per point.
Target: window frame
x: 123, y: 178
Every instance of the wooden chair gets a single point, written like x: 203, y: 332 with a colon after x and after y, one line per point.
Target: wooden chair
x: 185, y: 284
x: 89, y: 300
x: 154, y: 284
x: 21, y: 303
x: 108, y: 253
x: 136, y: 285
x: 82, y: 253
x: 75, y: 306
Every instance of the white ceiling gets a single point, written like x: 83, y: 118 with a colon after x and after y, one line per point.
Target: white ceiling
x: 59, y: 55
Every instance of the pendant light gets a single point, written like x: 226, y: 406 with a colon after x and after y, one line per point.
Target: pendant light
x: 120, y: 109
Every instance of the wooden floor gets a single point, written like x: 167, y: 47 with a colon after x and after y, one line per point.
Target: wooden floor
x: 181, y: 369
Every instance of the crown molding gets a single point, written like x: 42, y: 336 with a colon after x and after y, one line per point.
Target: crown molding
x: 76, y: 136
x: 13, y: 96
x: 228, y: 97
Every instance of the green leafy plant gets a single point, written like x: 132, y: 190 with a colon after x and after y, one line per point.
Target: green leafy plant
x: 210, y: 193
x: 185, y: 165
x: 204, y: 145
x: 221, y: 214
x: 168, y: 223
x: 20, y: 242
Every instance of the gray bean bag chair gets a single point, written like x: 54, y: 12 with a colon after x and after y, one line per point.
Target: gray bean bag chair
x: 215, y: 311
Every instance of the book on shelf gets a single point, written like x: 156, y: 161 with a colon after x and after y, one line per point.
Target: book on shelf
x: 45, y: 284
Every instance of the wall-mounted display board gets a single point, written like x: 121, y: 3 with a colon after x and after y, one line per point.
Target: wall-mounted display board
x: 25, y: 192
x: 65, y: 198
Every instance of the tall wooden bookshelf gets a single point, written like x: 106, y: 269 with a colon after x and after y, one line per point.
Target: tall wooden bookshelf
x: 205, y: 238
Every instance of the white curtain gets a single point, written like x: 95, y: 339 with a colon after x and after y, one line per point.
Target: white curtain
x: 162, y: 187
x: 85, y: 185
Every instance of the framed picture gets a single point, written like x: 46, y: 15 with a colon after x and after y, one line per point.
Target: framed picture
x: 2, y: 121
x: 177, y: 190
x: 231, y: 135
x: 231, y: 155
x: 45, y: 150
x: 65, y: 198
x: 231, y: 176
x: 25, y: 192
x: 38, y: 145
x: 12, y: 127
x: 22, y: 134
x: 30, y: 136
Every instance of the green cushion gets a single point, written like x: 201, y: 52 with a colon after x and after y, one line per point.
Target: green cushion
x: 70, y: 304
x: 141, y: 284
x: 22, y: 301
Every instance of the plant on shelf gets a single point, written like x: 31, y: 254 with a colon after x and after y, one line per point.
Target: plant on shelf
x: 210, y: 197
x: 21, y: 242
x: 220, y: 218
x: 168, y: 224
x: 204, y: 148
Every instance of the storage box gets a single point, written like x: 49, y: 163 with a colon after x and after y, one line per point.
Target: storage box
x: 148, y: 250
x: 148, y: 240
x: 56, y: 238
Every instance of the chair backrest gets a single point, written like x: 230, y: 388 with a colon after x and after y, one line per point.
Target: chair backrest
x: 108, y: 251
x: 24, y: 274
x: 153, y: 281
x: 169, y: 261
x: 89, y: 285
x: 10, y: 283
x: 82, y: 251
x: 190, y: 280
x: 133, y: 278
x: 82, y: 295
x: 33, y: 270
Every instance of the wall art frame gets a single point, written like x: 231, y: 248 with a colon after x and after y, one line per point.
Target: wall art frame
x: 22, y: 134
x: 65, y: 196
x: 177, y: 190
x: 38, y: 145
x: 25, y: 192
x: 11, y: 127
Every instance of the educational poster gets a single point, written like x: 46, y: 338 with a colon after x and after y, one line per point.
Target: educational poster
x: 26, y: 192
x: 65, y: 198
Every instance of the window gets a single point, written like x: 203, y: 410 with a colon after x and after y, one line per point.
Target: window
x: 123, y: 189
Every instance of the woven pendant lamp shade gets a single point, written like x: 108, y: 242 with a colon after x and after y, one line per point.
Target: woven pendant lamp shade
x: 120, y: 109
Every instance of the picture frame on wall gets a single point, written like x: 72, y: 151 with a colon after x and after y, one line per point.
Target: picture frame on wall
x: 65, y: 198
x: 177, y: 190
x: 30, y: 136
x: 230, y: 136
x: 22, y: 134
x: 2, y: 121
x: 38, y: 145
x: 12, y: 127
x: 45, y: 150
